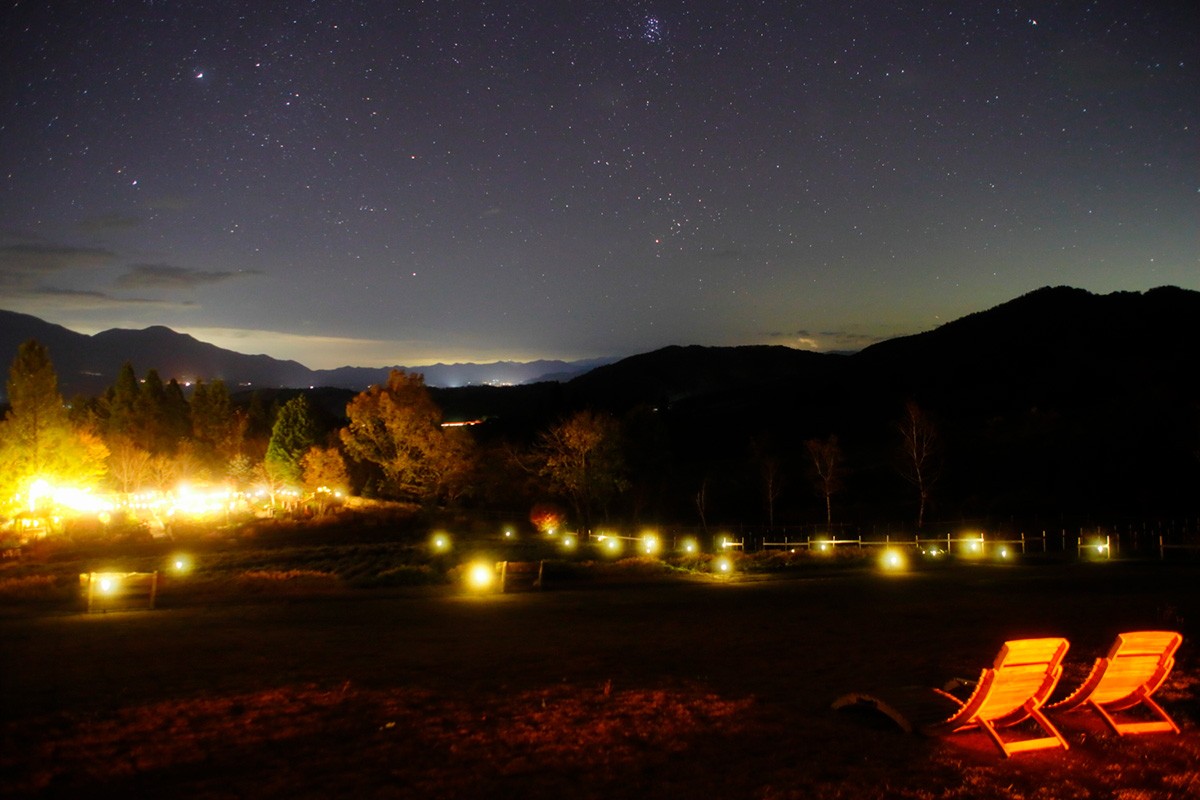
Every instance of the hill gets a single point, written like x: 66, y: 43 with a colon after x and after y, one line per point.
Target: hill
x: 1057, y: 404
x: 89, y: 364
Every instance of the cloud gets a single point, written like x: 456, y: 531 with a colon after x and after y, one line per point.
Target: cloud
x: 328, y: 352
x: 826, y: 340
x: 165, y: 276
x: 60, y: 299
x: 107, y: 223
x: 19, y: 262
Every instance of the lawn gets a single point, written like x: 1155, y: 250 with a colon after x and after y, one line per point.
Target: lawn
x: 642, y: 688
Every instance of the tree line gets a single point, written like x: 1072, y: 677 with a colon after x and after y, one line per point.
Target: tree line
x: 145, y: 434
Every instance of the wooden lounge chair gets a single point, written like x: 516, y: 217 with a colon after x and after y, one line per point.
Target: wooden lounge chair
x: 1136, y: 665
x: 1011, y: 691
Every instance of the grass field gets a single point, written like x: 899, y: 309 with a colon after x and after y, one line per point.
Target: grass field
x: 648, y: 685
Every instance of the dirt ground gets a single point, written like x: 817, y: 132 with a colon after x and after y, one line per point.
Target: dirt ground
x: 633, y: 690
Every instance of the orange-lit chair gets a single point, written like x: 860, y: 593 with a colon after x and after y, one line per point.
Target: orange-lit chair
x: 1011, y: 691
x: 1137, y: 664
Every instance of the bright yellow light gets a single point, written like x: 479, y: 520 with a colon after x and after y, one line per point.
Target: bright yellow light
x: 823, y: 546
x: 892, y: 560
x: 1003, y: 552
x: 689, y: 546
x: 612, y: 545
x: 649, y: 544
x: 480, y: 576
x: 107, y: 584
x: 181, y: 563
x: 440, y: 542
x: 568, y: 542
x: 723, y: 566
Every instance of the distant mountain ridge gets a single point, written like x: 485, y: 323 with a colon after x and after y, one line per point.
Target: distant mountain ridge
x: 1052, y: 337
x: 1060, y: 404
x: 89, y: 364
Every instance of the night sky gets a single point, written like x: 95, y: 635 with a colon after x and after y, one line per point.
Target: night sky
x: 379, y: 183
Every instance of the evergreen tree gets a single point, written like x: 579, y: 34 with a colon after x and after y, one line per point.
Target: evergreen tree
x: 122, y: 399
x: 150, y: 429
x: 37, y: 440
x: 177, y: 415
x: 294, y: 433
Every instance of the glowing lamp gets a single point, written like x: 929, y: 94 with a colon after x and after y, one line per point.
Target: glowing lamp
x: 723, y: 566
x: 649, y: 544
x: 568, y: 542
x: 892, y: 560
x: 440, y: 543
x: 107, y: 584
x: 480, y: 576
x: 689, y: 546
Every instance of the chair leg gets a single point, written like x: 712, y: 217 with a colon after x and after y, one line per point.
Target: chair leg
x: 1164, y: 723
x: 1055, y: 739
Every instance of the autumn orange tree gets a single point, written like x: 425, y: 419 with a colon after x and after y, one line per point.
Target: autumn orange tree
x: 397, y: 427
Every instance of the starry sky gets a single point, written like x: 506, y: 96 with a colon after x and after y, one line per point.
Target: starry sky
x: 406, y: 182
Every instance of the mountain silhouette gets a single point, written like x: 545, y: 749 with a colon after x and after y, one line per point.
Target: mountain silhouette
x: 89, y: 364
x: 1057, y: 403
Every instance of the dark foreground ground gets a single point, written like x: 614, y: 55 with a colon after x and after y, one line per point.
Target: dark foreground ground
x: 684, y: 689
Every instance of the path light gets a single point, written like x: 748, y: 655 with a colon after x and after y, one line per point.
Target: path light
x: 612, y: 545
x: 649, y: 544
x: 107, y: 582
x: 723, y: 565
x: 689, y: 546
x: 181, y: 563
x: 480, y: 576
x: 568, y: 541
x: 892, y: 560
x: 440, y: 543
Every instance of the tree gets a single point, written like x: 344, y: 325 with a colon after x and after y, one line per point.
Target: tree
x: 150, y: 416
x: 397, y: 427
x: 771, y: 470
x: 214, y: 425
x: 920, y: 455
x: 826, y: 457
x: 324, y: 474
x: 129, y: 466
x: 121, y: 400
x: 177, y: 414
x: 581, y: 456
x: 294, y: 433
x: 37, y: 439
